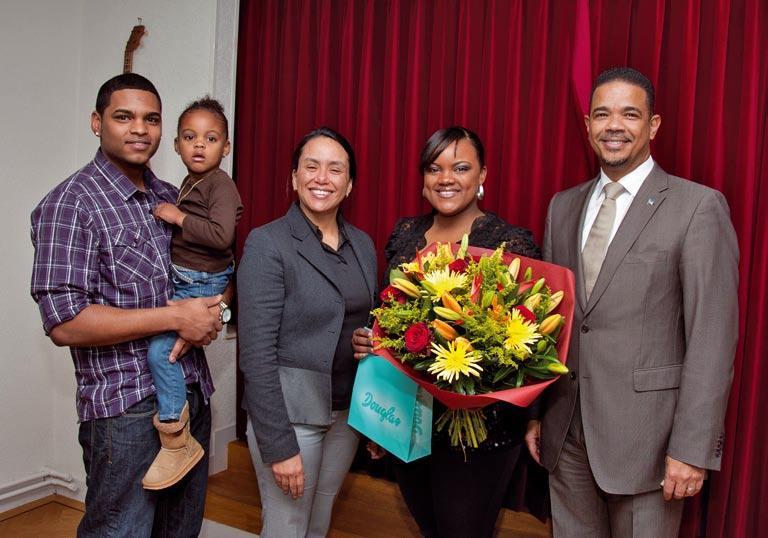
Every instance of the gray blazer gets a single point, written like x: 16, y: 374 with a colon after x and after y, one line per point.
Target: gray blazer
x: 290, y: 315
x: 652, y: 350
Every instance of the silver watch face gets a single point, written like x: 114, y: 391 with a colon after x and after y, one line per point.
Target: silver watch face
x: 226, y: 315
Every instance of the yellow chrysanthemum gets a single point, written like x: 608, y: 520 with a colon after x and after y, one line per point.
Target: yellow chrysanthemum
x: 521, y: 334
x: 444, y: 280
x: 458, y: 359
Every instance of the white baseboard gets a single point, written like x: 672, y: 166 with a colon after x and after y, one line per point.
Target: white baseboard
x: 78, y: 495
x: 50, y: 482
x: 219, y: 449
x: 47, y: 482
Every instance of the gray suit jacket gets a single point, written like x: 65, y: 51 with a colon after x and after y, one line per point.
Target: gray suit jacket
x: 652, y: 350
x: 290, y: 315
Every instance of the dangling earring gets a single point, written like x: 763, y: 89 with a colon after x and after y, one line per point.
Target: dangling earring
x: 480, y: 193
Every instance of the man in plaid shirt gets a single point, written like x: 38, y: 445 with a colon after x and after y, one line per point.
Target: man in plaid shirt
x: 100, y: 278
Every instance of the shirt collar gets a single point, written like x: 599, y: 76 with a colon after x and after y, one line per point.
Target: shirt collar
x: 632, y: 181
x: 316, y: 229
x: 119, y: 180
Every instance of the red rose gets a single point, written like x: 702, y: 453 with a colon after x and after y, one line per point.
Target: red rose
x: 458, y: 266
x: 417, y: 338
x: 391, y: 293
x: 527, y: 314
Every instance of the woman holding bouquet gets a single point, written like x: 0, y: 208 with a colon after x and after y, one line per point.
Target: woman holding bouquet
x: 305, y: 282
x: 454, y: 492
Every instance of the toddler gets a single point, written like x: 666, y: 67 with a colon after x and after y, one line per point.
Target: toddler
x: 204, y: 219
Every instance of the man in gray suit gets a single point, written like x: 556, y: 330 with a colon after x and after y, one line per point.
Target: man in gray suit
x: 655, y: 328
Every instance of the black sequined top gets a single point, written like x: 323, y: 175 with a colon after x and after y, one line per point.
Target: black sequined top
x: 505, y: 423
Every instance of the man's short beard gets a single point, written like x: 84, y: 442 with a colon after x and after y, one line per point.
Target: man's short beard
x: 615, y: 164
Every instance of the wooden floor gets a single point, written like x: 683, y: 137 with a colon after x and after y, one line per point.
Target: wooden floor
x: 366, y: 508
x: 53, y: 517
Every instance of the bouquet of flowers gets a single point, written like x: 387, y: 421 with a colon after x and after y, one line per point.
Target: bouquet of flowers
x: 459, y: 321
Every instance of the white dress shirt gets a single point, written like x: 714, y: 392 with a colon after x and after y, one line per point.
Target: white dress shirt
x: 631, y: 183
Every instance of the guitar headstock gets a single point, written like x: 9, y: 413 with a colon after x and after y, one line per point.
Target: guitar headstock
x: 134, y: 40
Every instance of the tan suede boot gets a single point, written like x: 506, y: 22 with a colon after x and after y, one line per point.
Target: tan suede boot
x: 179, y: 452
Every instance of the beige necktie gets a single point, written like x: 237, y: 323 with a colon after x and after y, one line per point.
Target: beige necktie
x: 597, y: 242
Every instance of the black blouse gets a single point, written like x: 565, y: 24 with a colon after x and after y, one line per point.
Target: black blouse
x: 488, y: 231
x: 357, y: 305
x: 505, y: 423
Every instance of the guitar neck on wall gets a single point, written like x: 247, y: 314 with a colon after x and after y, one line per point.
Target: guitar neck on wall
x: 133, y: 43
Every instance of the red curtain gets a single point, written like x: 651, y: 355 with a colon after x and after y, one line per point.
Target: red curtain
x: 387, y: 74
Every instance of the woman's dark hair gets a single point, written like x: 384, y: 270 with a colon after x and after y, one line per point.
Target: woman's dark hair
x: 443, y: 138
x: 327, y: 132
x: 212, y: 106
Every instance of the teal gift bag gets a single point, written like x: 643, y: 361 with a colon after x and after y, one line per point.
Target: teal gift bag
x: 391, y: 409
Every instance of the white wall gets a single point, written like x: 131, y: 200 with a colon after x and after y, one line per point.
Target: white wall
x: 54, y: 55
x: 39, y: 91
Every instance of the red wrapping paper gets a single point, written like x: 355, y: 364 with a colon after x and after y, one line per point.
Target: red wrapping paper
x: 557, y: 278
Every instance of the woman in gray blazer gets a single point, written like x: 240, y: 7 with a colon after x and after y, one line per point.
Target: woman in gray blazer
x: 305, y: 282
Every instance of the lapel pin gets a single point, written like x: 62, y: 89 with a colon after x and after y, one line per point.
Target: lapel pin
x: 651, y: 201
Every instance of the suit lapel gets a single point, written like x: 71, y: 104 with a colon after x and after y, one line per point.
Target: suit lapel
x: 575, y: 222
x: 646, y: 202
x: 367, y: 264
x: 308, y: 246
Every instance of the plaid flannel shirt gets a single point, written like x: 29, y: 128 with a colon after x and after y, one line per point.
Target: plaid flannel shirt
x: 97, y: 242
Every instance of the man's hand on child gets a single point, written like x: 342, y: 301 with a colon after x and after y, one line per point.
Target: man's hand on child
x: 196, y: 320
x: 169, y: 213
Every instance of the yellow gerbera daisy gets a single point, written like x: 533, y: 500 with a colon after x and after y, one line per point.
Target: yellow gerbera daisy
x: 444, y: 280
x: 458, y: 359
x: 521, y: 334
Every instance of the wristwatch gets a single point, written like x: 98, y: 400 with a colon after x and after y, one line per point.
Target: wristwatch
x: 226, y: 313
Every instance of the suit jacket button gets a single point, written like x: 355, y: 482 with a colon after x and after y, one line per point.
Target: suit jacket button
x: 572, y: 375
x: 585, y: 328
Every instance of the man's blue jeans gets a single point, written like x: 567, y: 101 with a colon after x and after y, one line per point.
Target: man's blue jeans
x: 117, y: 452
x: 167, y: 376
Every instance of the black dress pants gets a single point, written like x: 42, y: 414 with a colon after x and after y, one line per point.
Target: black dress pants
x: 452, y: 498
